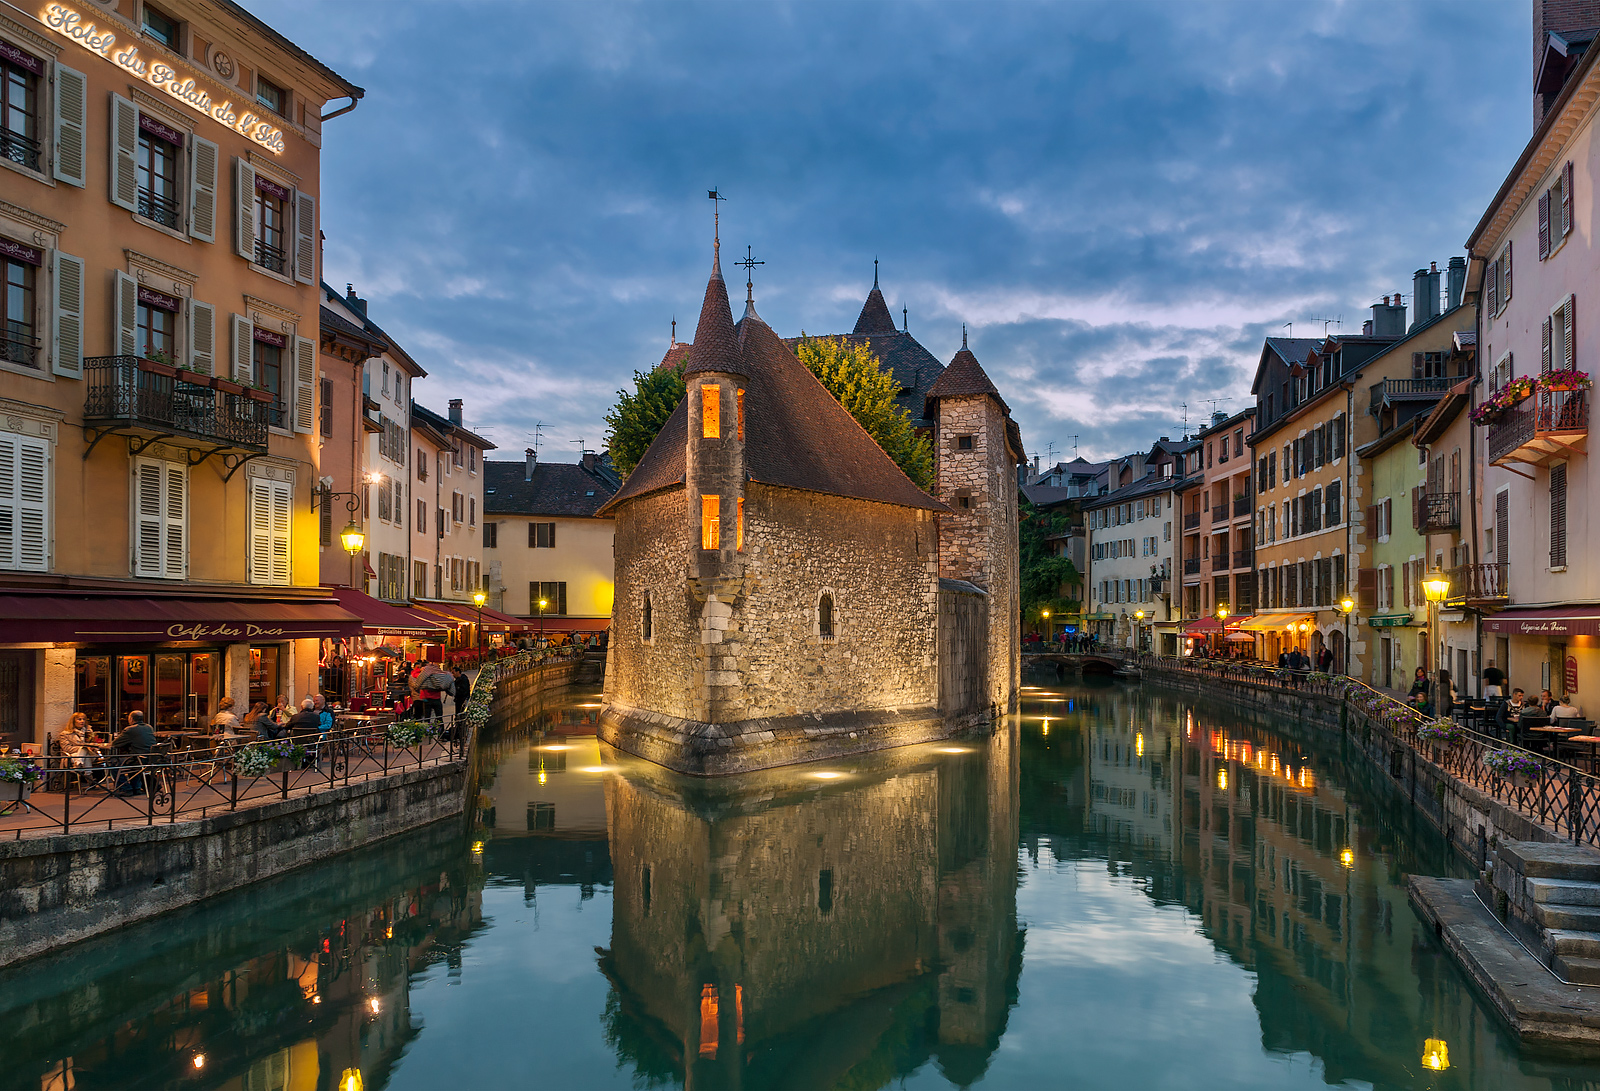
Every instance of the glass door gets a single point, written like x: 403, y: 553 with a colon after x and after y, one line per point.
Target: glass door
x: 171, y: 707
x: 200, y: 691
x: 133, y: 685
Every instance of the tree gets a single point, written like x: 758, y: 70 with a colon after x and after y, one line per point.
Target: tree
x: 866, y: 390
x: 640, y: 414
x: 1048, y: 582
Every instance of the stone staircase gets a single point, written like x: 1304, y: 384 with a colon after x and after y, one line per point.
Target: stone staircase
x: 1548, y: 894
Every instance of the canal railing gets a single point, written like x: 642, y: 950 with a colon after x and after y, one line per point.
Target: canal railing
x: 1559, y: 796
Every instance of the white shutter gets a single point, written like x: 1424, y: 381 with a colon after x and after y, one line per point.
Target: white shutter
x: 124, y: 148
x: 305, y: 384
x: 244, y: 209
x: 305, y: 238
x: 148, y: 509
x: 202, y: 189
x: 270, y: 508
x: 202, y: 337
x: 175, y: 522
x: 72, y: 120
x: 66, y: 321
x: 24, y: 503
x: 242, y: 335
x: 125, y: 315
x: 282, y: 502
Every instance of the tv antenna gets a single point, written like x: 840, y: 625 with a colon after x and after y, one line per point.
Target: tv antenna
x: 1337, y: 320
x: 1289, y: 326
x: 1050, y: 453
x: 582, y: 450
x: 1074, y: 446
x: 537, y: 433
x: 1185, y: 407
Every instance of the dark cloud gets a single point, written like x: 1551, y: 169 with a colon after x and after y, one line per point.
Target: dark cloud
x: 1120, y: 200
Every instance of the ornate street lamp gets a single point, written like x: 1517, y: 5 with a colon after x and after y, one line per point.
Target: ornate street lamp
x: 1436, y: 586
x: 542, y: 604
x: 1346, y: 605
x: 480, y: 598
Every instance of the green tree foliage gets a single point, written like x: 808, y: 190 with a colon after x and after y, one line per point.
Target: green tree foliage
x: 866, y: 389
x: 640, y: 413
x: 1048, y: 583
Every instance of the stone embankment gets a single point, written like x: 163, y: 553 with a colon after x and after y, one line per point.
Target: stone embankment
x: 1527, y: 932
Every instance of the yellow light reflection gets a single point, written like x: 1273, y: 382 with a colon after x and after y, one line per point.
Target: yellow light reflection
x: 199, y: 1061
x: 1047, y: 725
x: 350, y: 1080
x: 543, y: 777
x: 827, y: 774
x: 1138, y: 744
x: 557, y: 746
x: 1222, y: 778
x: 375, y: 1004
x: 1347, y: 858
x: 1435, y: 1054
x: 477, y: 848
x: 953, y: 750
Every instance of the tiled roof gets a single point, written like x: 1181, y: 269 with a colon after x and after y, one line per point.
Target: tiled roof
x: 914, y: 368
x: 332, y: 322
x: 716, y: 343
x: 796, y: 434
x: 964, y: 376
x: 444, y: 427
x: 557, y: 488
x: 676, y: 352
x: 875, y: 317
x: 1293, y: 350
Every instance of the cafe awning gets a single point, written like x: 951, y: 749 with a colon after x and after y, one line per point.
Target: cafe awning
x: 568, y: 624
x: 1205, y: 626
x: 1389, y: 621
x: 1267, y: 623
x: 379, y: 618
x: 466, y: 613
x: 1235, y: 634
x: 1546, y: 621
x: 95, y: 619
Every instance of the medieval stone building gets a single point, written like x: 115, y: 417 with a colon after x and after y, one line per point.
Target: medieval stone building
x: 783, y: 591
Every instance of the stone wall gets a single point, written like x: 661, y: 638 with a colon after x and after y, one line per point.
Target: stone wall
x: 58, y: 890
x: 963, y: 648
x: 658, y: 673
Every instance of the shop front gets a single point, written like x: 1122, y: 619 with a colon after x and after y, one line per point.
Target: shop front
x: 172, y: 659
x: 1219, y: 639
x: 369, y: 670
x: 1555, y: 648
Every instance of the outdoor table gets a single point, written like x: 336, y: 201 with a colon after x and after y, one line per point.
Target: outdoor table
x: 1593, y: 742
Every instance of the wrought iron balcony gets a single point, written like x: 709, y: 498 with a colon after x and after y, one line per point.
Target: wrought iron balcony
x: 1410, y: 390
x: 1241, y: 506
x: 1244, y: 558
x: 1191, y: 521
x: 19, y: 149
x: 1191, y: 566
x: 1479, y: 583
x: 1551, y: 425
x: 18, y: 345
x: 141, y: 398
x: 271, y: 257
x: 1219, y: 513
x: 1219, y: 561
x: 163, y: 210
x: 1441, y: 511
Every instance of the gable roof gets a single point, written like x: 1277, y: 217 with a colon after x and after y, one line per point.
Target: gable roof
x: 442, y: 426
x: 676, y: 355
x: 797, y: 435
x: 557, y: 488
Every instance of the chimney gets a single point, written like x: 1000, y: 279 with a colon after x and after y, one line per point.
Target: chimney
x: 455, y: 410
x: 530, y: 464
x: 1456, y: 281
x: 1389, y: 319
x: 1419, y: 298
x: 590, y: 460
x: 353, y: 301
x: 1218, y: 416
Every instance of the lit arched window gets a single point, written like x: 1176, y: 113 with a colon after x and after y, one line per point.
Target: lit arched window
x: 825, y: 616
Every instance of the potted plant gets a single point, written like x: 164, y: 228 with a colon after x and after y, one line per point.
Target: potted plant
x: 17, y: 778
x: 1442, y: 732
x: 258, y: 392
x: 407, y: 734
x: 1569, y: 378
x: 158, y: 363
x: 192, y: 375
x: 1517, y: 766
x: 275, y: 756
x: 227, y: 386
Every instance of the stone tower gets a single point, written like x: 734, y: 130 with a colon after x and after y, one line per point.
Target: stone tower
x: 978, y: 450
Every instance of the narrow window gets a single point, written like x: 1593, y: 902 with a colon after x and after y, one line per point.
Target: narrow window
x: 158, y: 172
x: 738, y: 527
x: 269, y: 376
x: 710, y: 516
x: 491, y: 535
x: 825, y: 891
x: 708, y: 1021
x: 18, y: 344
x: 19, y: 107
x: 738, y: 399
x: 326, y: 416
x: 649, y: 631
x: 711, y: 411
x: 825, y: 617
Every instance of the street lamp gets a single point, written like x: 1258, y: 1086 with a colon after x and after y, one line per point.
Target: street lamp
x: 480, y: 598
x: 1436, y: 586
x: 1138, y: 630
x: 1046, y: 615
x: 1346, y: 606
x: 542, y: 604
x: 352, y: 538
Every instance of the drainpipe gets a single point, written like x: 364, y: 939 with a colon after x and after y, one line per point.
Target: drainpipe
x: 354, y: 101
x: 1472, y: 476
x: 1349, y: 498
x: 355, y: 459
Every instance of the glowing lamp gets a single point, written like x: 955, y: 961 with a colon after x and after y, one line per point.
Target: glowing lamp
x: 1139, y: 614
x: 350, y: 1080
x: 1347, y: 604
x: 1436, y: 585
x: 477, y: 848
x: 1046, y: 613
x: 480, y: 598
x: 1222, y: 613
x: 1305, y: 626
x: 352, y: 538
x: 199, y: 1061
x: 1435, y: 1054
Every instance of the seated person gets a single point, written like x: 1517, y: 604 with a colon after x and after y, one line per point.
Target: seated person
x: 1564, y: 709
x: 1419, y: 684
x: 1545, y: 702
x: 1511, y: 711
x: 136, y: 740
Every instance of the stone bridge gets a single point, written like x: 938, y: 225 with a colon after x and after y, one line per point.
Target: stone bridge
x: 1111, y: 661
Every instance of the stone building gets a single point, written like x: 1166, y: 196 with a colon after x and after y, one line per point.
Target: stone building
x: 783, y: 591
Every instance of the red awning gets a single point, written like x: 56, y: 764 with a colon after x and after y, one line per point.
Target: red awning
x: 1546, y: 621
x: 466, y: 613
x: 565, y: 624
x: 1201, y: 626
x: 385, y: 618
x: 94, y: 619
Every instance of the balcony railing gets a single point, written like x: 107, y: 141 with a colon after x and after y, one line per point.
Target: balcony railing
x: 1479, y: 583
x: 163, y: 210
x: 122, y: 391
x: 19, y: 149
x: 1441, y: 511
x: 1219, y: 561
x: 18, y: 345
x: 1191, y: 566
x: 1244, y: 558
x: 1191, y: 521
x: 271, y: 257
x: 1553, y: 426
x: 1219, y: 513
x: 1408, y: 389
x: 1241, y: 506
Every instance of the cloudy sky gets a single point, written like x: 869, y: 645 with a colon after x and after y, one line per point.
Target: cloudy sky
x: 1119, y: 200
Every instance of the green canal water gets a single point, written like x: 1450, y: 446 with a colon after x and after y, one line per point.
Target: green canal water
x: 1119, y: 889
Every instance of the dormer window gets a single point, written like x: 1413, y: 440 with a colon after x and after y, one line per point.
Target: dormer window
x: 161, y: 27
x: 711, y: 411
x: 272, y: 96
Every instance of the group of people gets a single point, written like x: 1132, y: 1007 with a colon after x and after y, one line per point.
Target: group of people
x: 1296, y: 660
x: 1074, y: 643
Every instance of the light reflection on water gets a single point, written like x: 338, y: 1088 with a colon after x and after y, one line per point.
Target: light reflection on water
x: 1120, y: 888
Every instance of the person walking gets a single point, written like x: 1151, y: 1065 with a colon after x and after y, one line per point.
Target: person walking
x: 1494, y: 680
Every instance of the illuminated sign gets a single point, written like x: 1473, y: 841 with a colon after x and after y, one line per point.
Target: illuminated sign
x: 159, y: 74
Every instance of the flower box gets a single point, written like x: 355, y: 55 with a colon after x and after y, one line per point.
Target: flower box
x: 1566, y: 379
x: 286, y: 765
x: 227, y: 386
x: 195, y: 378
x: 157, y: 367
x: 15, y: 791
x: 258, y: 395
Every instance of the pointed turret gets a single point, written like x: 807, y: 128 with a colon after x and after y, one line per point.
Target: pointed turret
x: 875, y: 317
x: 964, y: 376
x: 716, y: 345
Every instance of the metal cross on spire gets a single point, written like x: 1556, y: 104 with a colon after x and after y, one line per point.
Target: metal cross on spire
x: 749, y: 263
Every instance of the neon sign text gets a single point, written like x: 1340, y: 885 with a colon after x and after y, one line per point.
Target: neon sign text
x: 161, y: 75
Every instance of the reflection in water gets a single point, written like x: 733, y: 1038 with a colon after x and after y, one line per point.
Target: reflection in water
x: 1205, y: 900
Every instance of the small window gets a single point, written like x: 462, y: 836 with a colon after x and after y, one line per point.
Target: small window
x: 158, y: 172
x: 163, y: 28
x: 710, y: 520
x: 269, y: 376
x: 711, y: 411
x: 825, y: 891
x: 19, y: 107
x: 739, y: 401
x: 19, y: 344
x: 963, y: 443
x: 491, y: 536
x: 327, y: 407
x: 738, y: 527
x: 272, y: 203
x: 541, y: 535
x: 825, y: 616
x: 963, y: 501
x: 647, y: 624
x: 271, y: 96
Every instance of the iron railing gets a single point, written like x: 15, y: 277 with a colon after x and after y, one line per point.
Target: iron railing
x: 1243, y: 558
x: 154, y: 206
x: 1511, y: 431
x: 20, y: 149
x: 1441, y: 511
x: 1557, y: 412
x: 270, y: 257
x: 18, y: 345
x: 120, y: 390
x: 1241, y: 505
x: 1219, y: 561
x: 1431, y: 387
x: 1219, y: 513
x: 1191, y: 566
x: 1479, y: 582
x: 1191, y: 521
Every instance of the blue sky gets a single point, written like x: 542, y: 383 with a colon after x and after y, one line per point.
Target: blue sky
x: 1119, y: 200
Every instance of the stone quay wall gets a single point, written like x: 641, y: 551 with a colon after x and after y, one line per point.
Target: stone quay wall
x: 55, y: 891
x: 518, y: 696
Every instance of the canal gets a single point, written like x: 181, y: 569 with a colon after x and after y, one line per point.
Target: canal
x: 1122, y: 888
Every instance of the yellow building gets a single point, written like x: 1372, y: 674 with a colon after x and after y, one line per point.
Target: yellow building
x: 543, y: 542
x: 159, y: 183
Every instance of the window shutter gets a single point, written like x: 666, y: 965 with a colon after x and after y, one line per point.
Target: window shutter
x: 553, y: 541
x: 202, y: 337
x: 24, y: 503
x: 175, y: 528
x: 1544, y: 348
x: 203, y: 158
x: 1566, y: 199
x: 1544, y: 225
x: 242, y: 334
x: 244, y: 209
x: 1388, y: 587
x: 1371, y: 526
x: 305, y: 238
x: 148, y: 509
x: 66, y: 322
x: 305, y: 382
x: 1416, y: 365
x: 1558, y: 515
x: 270, y: 504
x: 1502, y: 528
x: 1570, y: 344
x: 72, y: 122
x: 1418, y: 506
x: 124, y: 149
x: 1505, y: 278
x: 1491, y: 277
x: 125, y: 319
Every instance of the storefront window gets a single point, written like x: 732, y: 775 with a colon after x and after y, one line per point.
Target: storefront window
x: 133, y: 685
x: 94, y: 689
x: 264, y: 675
